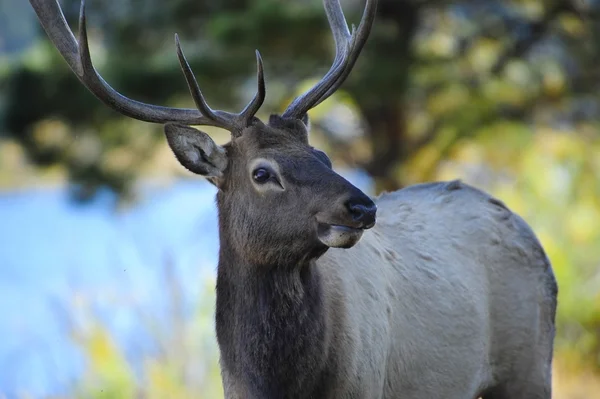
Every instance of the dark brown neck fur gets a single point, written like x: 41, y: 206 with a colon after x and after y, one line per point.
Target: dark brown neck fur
x: 272, y: 327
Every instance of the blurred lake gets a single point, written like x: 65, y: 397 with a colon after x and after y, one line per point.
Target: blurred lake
x: 55, y: 252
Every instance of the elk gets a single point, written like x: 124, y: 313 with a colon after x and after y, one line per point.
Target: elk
x: 434, y: 291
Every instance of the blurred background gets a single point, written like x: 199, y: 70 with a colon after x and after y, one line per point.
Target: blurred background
x: 108, y: 246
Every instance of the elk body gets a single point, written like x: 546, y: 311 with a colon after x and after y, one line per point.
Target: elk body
x: 448, y: 294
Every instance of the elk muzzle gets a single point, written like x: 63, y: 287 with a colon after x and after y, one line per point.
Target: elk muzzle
x: 344, y: 230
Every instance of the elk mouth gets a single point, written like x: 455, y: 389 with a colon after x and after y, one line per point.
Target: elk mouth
x: 339, y: 236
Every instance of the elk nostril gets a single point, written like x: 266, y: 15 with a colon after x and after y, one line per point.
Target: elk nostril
x: 357, y: 211
x: 364, y: 214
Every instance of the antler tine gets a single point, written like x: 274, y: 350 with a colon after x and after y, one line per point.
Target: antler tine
x: 348, y: 47
x: 233, y: 122
x: 360, y: 39
x: 254, y: 105
x: 195, y: 89
x: 339, y: 26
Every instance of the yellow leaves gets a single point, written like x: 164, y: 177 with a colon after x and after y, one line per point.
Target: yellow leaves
x: 184, y: 365
x: 518, y: 72
x: 532, y: 9
x: 104, y: 354
x: 13, y: 164
x: 497, y: 146
x: 447, y: 100
x: 547, y: 180
x: 443, y: 45
x: 572, y: 24
x: 562, y: 145
x: 483, y: 54
x: 438, y: 44
x: 108, y: 374
x: 163, y: 381
x: 567, y: 161
x: 11, y: 155
x: 553, y: 80
x: 118, y: 159
x: 469, y: 152
x: 418, y: 124
x: 424, y: 163
x: 419, y: 166
x: 572, y: 379
x: 51, y: 134
x: 506, y: 92
x: 583, y: 224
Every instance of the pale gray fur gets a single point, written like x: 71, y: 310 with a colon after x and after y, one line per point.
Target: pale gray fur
x: 450, y: 295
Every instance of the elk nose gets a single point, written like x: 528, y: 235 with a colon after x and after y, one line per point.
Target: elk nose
x: 363, y: 213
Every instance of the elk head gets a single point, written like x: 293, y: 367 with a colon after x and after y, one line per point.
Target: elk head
x: 279, y: 199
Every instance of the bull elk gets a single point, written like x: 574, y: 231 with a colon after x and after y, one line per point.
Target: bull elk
x: 448, y: 295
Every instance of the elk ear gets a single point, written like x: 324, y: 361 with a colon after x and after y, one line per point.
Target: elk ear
x: 297, y: 127
x: 196, y: 151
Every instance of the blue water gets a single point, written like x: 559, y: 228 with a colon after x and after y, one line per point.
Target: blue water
x: 53, y: 250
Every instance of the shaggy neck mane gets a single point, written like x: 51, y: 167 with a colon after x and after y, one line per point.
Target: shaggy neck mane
x: 272, y: 326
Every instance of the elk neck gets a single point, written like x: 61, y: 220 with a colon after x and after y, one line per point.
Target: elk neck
x: 272, y: 324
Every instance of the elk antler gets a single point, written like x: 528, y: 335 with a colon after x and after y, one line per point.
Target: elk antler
x: 77, y: 55
x: 347, y: 48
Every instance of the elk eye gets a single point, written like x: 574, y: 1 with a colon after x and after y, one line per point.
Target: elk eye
x: 261, y: 175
